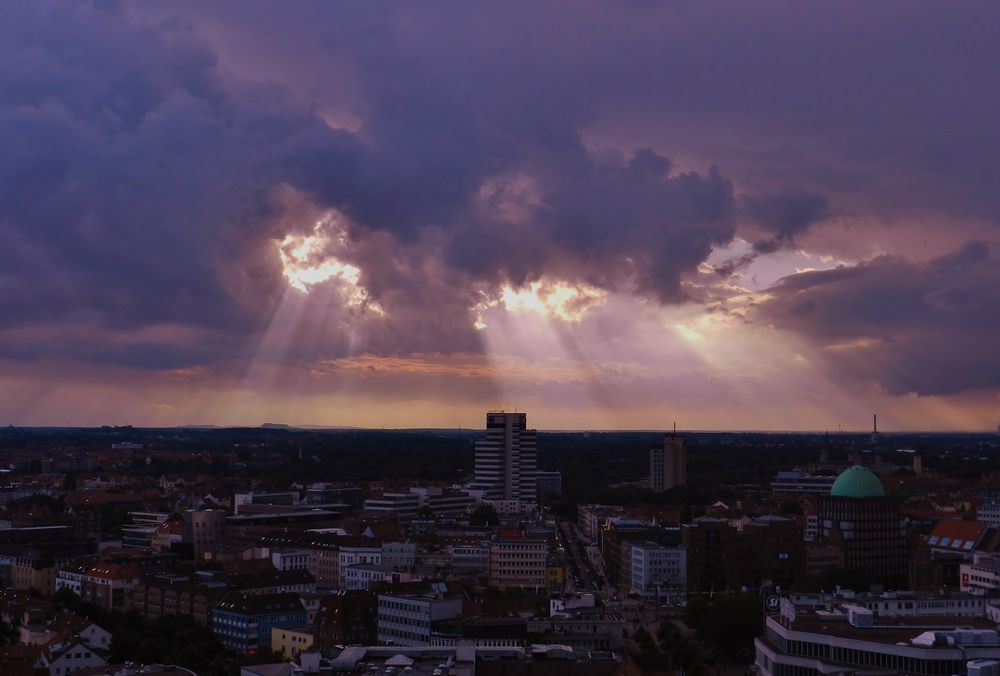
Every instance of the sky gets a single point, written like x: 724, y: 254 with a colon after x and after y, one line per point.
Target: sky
x: 611, y: 215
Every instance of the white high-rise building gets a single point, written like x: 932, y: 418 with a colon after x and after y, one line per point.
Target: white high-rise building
x: 507, y: 459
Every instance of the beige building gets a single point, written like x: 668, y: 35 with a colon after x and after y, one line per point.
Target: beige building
x: 518, y: 563
x: 30, y: 573
x: 290, y: 641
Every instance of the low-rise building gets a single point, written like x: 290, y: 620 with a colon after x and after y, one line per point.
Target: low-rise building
x: 470, y: 558
x: 289, y: 559
x: 346, y: 618
x: 362, y: 575
x: 982, y: 573
x: 139, y: 531
x: 348, y: 556
x: 482, y: 632
x: 591, y: 518
x: 796, y: 482
x: 71, y: 578
x: 956, y: 537
x: 403, y: 505
x: 518, y: 562
x: 290, y: 641
x: 988, y: 511
x: 66, y: 655
x: 443, y: 502
x: 276, y: 498
x: 108, y: 585
x: 406, y: 619
x: 195, y: 596
x: 399, y: 554
x: 854, y: 640
x: 243, y: 622
x: 584, y: 629
x: 656, y: 568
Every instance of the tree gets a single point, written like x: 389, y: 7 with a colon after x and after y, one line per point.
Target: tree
x: 791, y: 507
x: 484, y: 515
x: 7, y: 634
x: 645, y: 642
x: 730, y: 624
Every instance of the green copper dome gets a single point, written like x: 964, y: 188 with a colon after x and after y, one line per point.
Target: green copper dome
x: 857, y: 482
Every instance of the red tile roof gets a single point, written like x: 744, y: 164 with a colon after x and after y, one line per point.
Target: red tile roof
x: 956, y: 535
x: 114, y: 571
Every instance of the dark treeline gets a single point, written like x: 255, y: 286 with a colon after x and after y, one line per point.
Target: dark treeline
x: 596, y: 466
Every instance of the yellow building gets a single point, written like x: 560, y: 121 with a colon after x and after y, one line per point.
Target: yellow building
x: 555, y: 576
x: 30, y: 574
x: 290, y: 641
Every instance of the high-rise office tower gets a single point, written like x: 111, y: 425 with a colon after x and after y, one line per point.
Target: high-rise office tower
x: 668, y: 464
x: 506, y: 460
x: 866, y: 525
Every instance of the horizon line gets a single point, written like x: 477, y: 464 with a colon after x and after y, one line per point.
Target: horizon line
x: 552, y: 430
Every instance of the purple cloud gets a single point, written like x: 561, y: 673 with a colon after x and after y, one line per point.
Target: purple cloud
x: 912, y: 327
x: 152, y: 157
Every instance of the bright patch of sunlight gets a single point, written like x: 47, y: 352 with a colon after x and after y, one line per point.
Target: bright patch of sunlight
x: 309, y: 260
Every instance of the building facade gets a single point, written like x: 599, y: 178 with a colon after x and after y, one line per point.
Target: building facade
x: 346, y: 618
x: 856, y: 643
x: 506, y: 460
x: 668, y: 464
x: 866, y: 524
x: 204, y: 529
x: 721, y: 557
x: 519, y: 563
x: 405, y: 620
x: 656, y: 568
x: 243, y: 622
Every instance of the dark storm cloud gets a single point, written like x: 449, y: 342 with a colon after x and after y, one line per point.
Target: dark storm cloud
x: 148, y: 154
x: 139, y: 187
x: 913, y: 327
x: 130, y: 189
x: 783, y: 216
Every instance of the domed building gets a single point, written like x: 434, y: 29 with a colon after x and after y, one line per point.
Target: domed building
x: 866, y: 524
x: 857, y: 482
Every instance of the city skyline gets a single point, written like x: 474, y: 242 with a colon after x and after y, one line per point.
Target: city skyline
x: 767, y: 217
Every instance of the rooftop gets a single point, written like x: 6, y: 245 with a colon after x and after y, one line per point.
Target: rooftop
x: 886, y: 630
x: 857, y: 482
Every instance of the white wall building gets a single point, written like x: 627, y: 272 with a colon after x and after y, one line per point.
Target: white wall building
x: 817, y: 643
x: 988, y: 512
x: 981, y: 574
x: 399, y: 554
x: 350, y: 556
x: 290, y: 559
x: 655, y: 567
x: 796, y: 482
x: 404, y: 505
x: 405, y: 620
x: 507, y: 459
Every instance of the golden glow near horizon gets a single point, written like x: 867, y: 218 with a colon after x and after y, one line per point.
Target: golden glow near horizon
x: 308, y: 260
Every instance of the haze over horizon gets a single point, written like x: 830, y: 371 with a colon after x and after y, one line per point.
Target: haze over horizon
x: 766, y: 216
